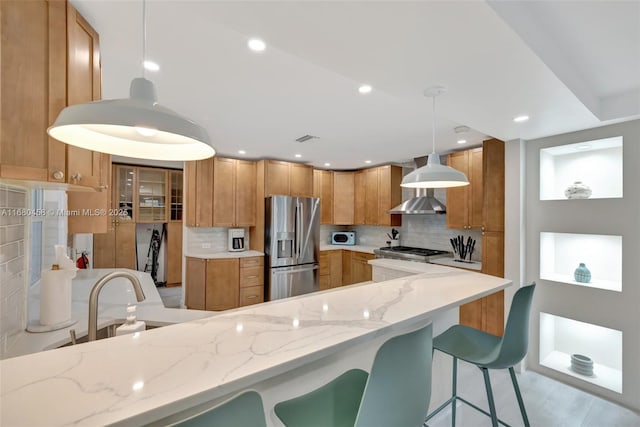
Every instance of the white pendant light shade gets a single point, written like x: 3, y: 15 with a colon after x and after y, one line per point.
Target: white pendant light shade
x: 134, y: 127
x: 433, y: 174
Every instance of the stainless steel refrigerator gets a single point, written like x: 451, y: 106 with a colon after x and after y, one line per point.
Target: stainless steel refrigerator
x: 292, y: 245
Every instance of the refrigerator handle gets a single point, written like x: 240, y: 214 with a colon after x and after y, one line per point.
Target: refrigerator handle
x: 300, y: 236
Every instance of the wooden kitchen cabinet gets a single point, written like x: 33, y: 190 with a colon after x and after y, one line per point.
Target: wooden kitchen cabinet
x: 360, y: 267
x: 359, y: 207
x: 117, y: 247
x: 176, y: 195
x: 222, y: 291
x: 344, y: 198
x: 465, y: 204
x: 50, y: 59
x: 196, y: 279
x: 173, y: 274
x: 301, y: 180
x: 330, y: 269
x: 356, y: 267
x: 221, y: 193
x: 251, y: 281
x: 376, y: 191
x: 287, y: 179
x: 323, y: 188
x: 224, y: 283
x: 487, y: 313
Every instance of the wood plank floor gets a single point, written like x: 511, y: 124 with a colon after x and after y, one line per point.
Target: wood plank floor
x: 549, y: 403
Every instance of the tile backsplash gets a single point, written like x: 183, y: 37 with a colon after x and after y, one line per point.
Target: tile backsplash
x: 13, y: 275
x: 209, y: 240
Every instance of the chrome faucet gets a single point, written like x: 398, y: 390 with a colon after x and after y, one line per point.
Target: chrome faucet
x: 95, y: 291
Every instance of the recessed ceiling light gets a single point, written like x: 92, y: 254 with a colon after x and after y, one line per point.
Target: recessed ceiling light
x: 151, y: 66
x: 256, y: 45
x: 462, y: 141
x: 521, y: 119
x: 327, y: 164
x: 367, y: 161
x: 365, y: 89
x: 584, y: 147
x: 242, y: 152
x: 298, y: 155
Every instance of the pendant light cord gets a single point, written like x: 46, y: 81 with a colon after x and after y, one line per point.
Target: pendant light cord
x: 433, y: 125
x: 144, y: 35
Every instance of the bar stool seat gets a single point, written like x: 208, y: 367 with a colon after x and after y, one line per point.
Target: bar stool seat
x: 488, y: 351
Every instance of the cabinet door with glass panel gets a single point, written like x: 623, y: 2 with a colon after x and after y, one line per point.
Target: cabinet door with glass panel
x: 152, y: 195
x: 175, y: 183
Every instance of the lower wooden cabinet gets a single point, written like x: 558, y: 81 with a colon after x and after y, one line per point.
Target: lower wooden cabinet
x: 487, y: 313
x: 224, y: 283
x: 330, y: 269
x: 356, y: 267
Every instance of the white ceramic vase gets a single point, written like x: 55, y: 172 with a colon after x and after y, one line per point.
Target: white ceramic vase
x: 577, y: 190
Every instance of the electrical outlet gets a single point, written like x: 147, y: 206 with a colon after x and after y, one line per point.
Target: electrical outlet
x: 206, y: 246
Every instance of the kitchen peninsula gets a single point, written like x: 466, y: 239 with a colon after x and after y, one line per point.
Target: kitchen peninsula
x: 279, y: 348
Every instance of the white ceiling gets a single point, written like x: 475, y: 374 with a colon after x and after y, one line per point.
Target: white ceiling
x: 568, y: 65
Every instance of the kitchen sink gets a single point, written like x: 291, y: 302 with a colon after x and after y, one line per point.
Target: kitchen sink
x: 106, y: 332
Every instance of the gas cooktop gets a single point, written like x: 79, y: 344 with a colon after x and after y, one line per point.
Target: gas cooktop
x: 408, y: 253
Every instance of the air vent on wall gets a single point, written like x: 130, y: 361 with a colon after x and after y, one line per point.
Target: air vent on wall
x: 306, y: 138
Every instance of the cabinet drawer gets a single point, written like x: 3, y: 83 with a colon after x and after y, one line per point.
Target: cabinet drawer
x: 325, y: 282
x: 251, y: 276
x: 253, y: 261
x: 324, y: 269
x: 251, y: 295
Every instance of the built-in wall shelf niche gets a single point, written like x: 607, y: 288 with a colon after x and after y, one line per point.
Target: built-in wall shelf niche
x: 561, y: 337
x: 596, y: 164
x: 562, y: 253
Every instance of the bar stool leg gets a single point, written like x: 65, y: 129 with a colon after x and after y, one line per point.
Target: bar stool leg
x: 523, y: 411
x: 492, y: 406
x: 454, y: 391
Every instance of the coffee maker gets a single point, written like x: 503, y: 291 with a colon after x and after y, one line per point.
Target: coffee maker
x: 236, y: 240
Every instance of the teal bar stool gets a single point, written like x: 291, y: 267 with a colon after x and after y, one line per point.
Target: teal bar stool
x: 395, y: 393
x: 243, y: 410
x: 488, y: 351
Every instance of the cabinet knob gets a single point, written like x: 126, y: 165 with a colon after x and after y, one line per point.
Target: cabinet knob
x: 482, y: 228
x: 76, y: 177
x: 103, y: 187
x: 252, y: 296
x: 58, y: 175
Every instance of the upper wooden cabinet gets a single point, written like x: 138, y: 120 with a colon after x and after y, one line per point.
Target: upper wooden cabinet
x: 50, y: 59
x: 481, y: 203
x: 464, y: 204
x: 376, y: 191
x: 323, y: 188
x: 287, y: 179
x: 176, y: 195
x: 344, y: 198
x: 221, y: 192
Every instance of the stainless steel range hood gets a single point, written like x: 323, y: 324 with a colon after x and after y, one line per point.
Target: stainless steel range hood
x: 424, y: 203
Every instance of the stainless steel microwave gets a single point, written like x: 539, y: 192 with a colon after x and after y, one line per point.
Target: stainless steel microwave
x: 343, y: 238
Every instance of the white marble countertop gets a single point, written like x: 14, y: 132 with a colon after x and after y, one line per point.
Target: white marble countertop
x: 112, y: 301
x: 139, y: 379
x: 473, y: 265
x: 354, y: 248
x: 214, y: 255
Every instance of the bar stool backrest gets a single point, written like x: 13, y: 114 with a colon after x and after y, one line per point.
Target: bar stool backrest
x: 515, y: 341
x: 398, y: 389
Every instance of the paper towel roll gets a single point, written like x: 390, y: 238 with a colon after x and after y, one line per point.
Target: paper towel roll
x: 55, y: 296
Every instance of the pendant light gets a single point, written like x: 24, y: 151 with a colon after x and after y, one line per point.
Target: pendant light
x: 133, y: 127
x: 433, y: 174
